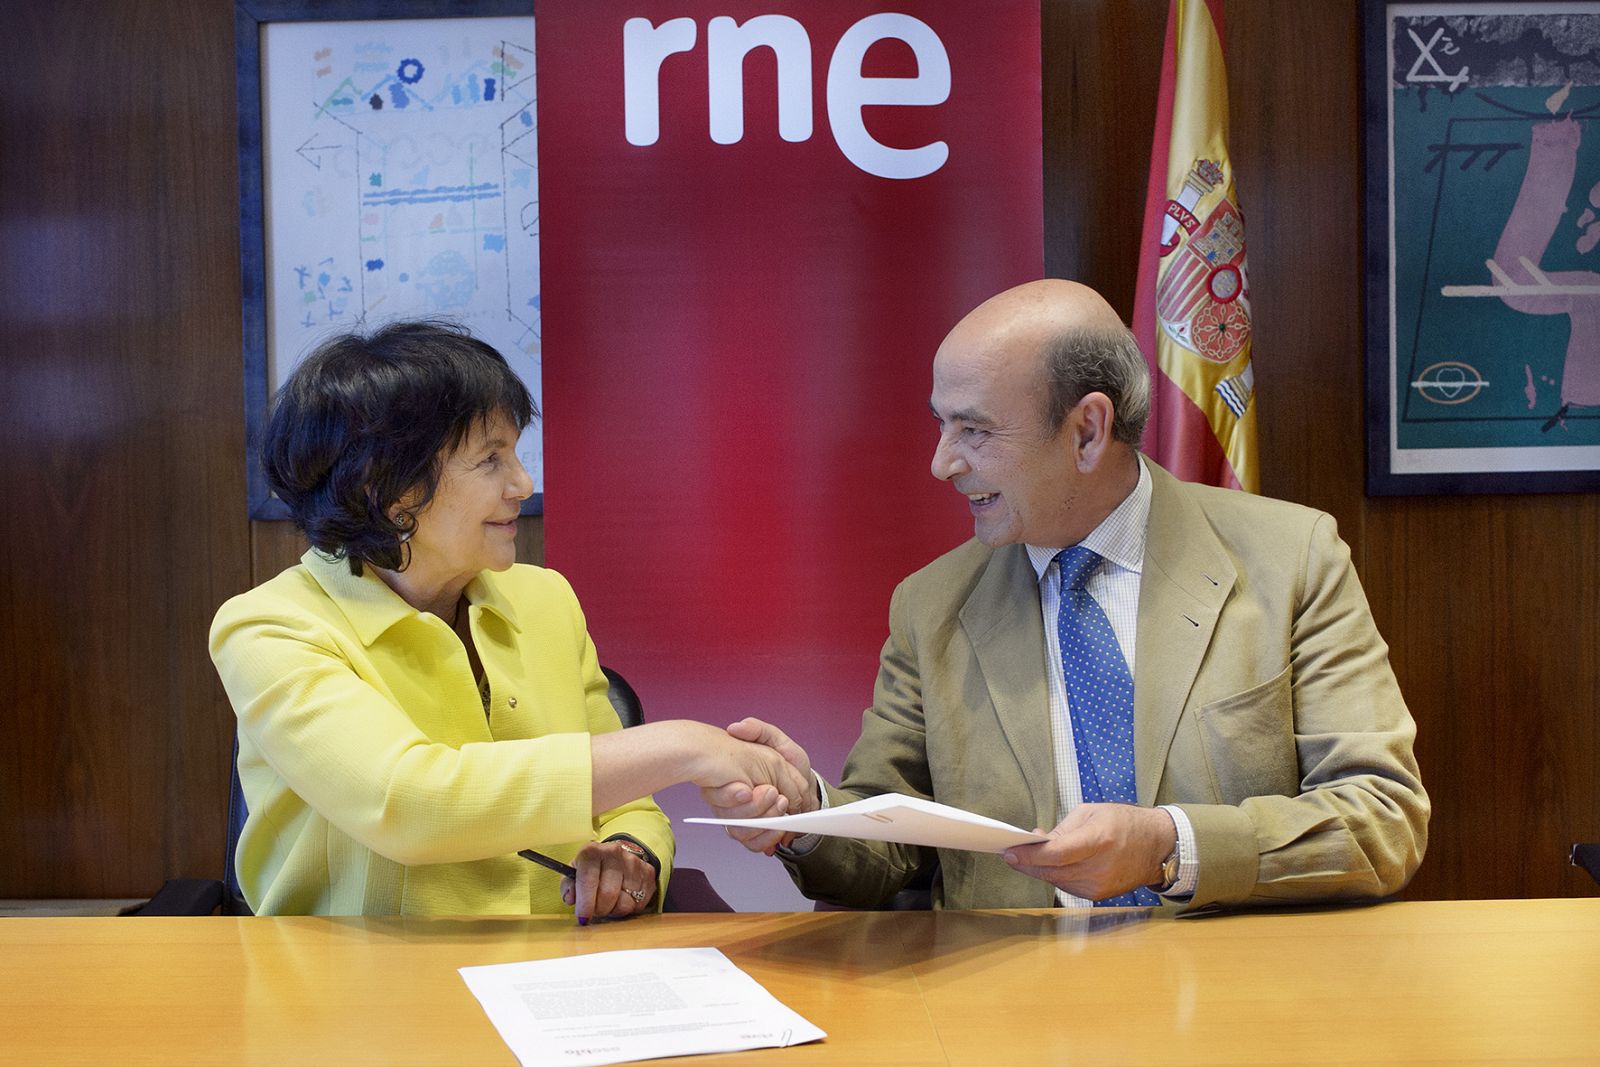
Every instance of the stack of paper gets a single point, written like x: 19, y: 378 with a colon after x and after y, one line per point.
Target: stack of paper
x: 615, y: 1007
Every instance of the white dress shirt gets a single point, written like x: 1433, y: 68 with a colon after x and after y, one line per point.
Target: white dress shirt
x: 1115, y: 587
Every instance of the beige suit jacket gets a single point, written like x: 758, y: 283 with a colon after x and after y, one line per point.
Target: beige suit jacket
x: 1264, y: 707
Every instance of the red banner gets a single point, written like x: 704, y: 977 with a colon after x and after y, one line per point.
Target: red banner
x: 756, y: 224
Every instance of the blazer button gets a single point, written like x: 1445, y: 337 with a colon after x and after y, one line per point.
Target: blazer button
x: 511, y: 702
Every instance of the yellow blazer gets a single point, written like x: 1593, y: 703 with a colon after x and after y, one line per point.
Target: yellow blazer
x: 1264, y: 707
x: 375, y: 783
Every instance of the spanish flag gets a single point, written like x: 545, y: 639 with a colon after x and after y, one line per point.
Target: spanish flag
x: 1192, y: 310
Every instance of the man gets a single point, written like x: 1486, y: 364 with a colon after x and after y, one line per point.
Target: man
x: 1201, y: 706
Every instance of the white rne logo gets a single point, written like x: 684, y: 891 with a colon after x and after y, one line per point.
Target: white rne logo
x: 646, y: 46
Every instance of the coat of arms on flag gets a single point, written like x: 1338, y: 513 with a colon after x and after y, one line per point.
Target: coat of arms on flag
x: 1203, y: 300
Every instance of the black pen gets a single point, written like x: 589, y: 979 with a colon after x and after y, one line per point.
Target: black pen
x: 545, y: 861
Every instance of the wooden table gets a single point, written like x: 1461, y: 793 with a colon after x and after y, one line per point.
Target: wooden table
x: 1443, y: 981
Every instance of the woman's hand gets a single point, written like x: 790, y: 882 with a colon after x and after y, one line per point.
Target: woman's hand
x: 612, y: 883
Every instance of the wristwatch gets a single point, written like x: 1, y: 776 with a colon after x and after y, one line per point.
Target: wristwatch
x: 1169, y: 872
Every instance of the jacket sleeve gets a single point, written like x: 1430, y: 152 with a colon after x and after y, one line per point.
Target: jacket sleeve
x: 1358, y: 824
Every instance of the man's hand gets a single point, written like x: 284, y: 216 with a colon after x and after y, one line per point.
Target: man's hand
x: 763, y: 733
x: 1100, y: 850
x: 740, y: 801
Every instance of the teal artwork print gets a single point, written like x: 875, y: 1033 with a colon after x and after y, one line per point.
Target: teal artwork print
x: 1494, y: 181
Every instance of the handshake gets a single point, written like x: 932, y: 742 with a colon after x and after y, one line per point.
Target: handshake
x: 754, y: 771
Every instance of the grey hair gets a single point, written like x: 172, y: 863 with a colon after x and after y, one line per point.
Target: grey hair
x: 1098, y: 359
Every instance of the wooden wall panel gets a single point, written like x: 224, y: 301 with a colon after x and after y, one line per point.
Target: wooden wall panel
x: 1101, y: 70
x: 1489, y: 606
x: 122, y: 495
x: 1295, y: 115
x: 274, y: 546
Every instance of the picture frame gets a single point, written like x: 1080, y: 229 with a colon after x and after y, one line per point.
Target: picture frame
x: 1482, y: 205
x: 387, y: 169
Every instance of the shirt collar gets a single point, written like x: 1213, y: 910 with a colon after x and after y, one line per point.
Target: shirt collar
x: 1119, y: 538
x: 372, y: 607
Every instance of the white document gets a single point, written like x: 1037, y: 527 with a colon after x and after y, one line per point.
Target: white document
x: 640, y: 1004
x: 901, y: 819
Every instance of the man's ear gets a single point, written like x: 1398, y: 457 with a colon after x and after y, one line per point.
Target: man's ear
x: 1090, y: 423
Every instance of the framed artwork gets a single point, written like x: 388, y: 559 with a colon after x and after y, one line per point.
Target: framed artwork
x: 387, y: 170
x: 1483, y: 247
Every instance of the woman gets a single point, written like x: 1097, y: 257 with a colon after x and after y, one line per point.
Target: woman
x: 413, y: 706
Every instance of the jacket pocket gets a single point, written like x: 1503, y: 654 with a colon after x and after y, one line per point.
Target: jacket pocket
x: 1249, y: 741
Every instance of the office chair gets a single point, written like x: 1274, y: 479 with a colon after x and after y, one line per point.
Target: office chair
x: 1586, y: 856
x: 688, y: 890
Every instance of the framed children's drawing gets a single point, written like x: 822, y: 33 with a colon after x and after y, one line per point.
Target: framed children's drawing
x: 387, y: 169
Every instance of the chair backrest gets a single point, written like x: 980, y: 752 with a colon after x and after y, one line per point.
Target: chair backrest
x: 1586, y: 856
x: 623, y: 698
x: 233, y: 902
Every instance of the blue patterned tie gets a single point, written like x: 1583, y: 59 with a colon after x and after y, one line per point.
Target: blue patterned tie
x: 1099, y: 698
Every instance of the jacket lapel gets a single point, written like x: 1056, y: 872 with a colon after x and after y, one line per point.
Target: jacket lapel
x: 1186, y: 579
x: 1001, y: 620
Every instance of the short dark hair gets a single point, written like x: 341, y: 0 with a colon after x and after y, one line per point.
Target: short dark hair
x: 364, y: 423
x: 1098, y: 359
